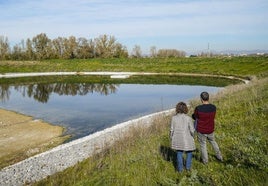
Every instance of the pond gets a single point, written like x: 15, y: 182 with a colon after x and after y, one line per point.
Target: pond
x: 84, y: 108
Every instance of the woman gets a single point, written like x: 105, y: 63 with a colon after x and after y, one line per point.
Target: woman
x: 181, y: 134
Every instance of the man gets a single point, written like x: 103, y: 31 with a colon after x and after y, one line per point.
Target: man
x: 204, y: 115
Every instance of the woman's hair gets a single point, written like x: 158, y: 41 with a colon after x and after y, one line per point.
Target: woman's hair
x: 181, y: 107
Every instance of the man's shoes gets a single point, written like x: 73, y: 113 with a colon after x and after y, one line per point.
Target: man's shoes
x: 219, y: 158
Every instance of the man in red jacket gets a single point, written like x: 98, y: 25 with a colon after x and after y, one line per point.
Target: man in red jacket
x: 204, y: 115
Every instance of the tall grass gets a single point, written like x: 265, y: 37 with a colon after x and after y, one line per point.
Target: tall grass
x: 144, y: 156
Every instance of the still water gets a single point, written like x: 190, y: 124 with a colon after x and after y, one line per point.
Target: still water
x: 86, y: 108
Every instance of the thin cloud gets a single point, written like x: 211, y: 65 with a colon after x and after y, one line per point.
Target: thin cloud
x: 141, y: 19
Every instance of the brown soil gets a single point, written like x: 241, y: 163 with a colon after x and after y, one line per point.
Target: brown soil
x: 22, y: 137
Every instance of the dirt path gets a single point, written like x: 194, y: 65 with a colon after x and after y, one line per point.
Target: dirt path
x: 22, y: 137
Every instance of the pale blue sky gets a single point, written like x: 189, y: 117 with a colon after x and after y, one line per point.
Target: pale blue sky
x: 177, y: 24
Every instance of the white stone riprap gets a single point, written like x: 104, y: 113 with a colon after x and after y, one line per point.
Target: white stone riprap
x: 66, y: 155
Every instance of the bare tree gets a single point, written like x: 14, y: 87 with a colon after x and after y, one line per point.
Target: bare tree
x: 153, y: 51
x: 105, y: 46
x: 58, y: 47
x: 4, y: 48
x: 18, y: 52
x: 29, y: 49
x: 40, y: 46
x: 136, y: 52
x: 72, y: 47
x: 69, y: 48
x: 85, y: 48
x: 120, y: 51
x: 170, y: 53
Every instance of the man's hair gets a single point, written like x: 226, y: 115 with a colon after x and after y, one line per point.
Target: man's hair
x: 204, y: 96
x: 181, y: 107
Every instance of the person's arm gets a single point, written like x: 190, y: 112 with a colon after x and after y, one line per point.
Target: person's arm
x: 191, y: 126
x: 195, y: 114
x: 171, y: 129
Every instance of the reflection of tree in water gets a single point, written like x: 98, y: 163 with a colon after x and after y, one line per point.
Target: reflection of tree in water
x: 41, y: 92
x: 4, y: 92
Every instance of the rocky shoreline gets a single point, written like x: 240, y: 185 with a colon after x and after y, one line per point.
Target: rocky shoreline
x: 66, y: 155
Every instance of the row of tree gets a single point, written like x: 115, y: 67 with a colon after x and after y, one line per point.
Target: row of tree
x: 41, y: 47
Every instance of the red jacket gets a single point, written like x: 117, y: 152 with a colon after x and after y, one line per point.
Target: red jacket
x: 205, y: 115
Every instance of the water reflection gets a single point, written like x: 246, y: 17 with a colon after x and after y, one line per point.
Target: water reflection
x: 41, y: 92
x: 84, y: 108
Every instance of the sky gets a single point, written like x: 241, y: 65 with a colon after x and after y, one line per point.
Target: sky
x: 192, y: 26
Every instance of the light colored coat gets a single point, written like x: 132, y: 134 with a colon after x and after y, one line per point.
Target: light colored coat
x: 182, y: 132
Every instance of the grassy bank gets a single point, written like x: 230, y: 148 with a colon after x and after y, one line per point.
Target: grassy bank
x: 144, y: 157
x: 238, y: 66
x: 135, y: 79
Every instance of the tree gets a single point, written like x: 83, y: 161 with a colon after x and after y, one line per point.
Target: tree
x: 40, y: 46
x: 19, y: 52
x: 170, y: 53
x: 120, y: 51
x: 58, y: 47
x: 70, y: 48
x: 104, y: 44
x: 153, y: 51
x: 29, y: 49
x: 107, y: 47
x: 4, y: 48
x: 136, y: 52
x: 85, y: 48
x: 16, y: 52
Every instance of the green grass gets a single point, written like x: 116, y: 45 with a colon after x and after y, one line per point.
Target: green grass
x: 144, y: 157
x: 135, y: 79
x: 238, y: 66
